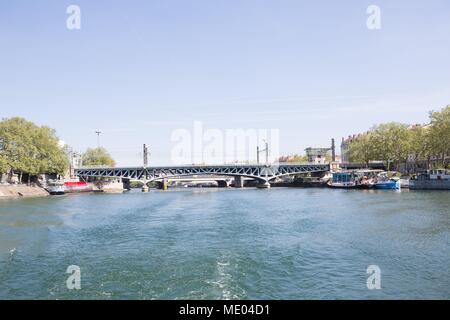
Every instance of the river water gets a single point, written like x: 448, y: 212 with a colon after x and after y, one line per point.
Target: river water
x: 282, y: 243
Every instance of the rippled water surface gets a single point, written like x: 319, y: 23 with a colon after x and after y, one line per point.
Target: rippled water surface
x: 227, y: 244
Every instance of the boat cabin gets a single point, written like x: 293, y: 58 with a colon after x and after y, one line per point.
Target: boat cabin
x: 369, y: 173
x: 439, y: 174
x: 343, y: 177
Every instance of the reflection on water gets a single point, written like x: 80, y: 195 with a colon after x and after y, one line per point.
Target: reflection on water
x: 227, y: 244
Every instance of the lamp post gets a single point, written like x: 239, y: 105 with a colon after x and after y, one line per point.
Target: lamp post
x: 145, y: 149
x: 257, y: 154
x: 98, y: 138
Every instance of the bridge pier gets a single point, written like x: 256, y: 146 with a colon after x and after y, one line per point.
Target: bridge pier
x: 126, y: 184
x: 238, y: 182
x: 222, y: 184
x: 263, y: 185
x: 163, y: 184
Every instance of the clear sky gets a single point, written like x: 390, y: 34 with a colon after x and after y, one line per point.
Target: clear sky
x: 138, y: 70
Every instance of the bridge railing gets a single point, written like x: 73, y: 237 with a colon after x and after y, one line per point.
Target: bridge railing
x: 208, y: 165
x: 93, y: 167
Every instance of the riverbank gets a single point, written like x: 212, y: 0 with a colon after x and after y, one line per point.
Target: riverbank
x: 18, y: 191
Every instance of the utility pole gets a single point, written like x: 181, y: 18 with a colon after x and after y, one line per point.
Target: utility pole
x: 98, y: 138
x: 257, y: 154
x: 145, y: 155
x: 266, y: 150
x: 333, y: 150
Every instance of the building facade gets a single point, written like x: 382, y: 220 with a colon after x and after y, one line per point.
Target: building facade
x: 317, y: 155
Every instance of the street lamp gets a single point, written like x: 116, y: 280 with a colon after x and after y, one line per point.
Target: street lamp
x: 98, y: 138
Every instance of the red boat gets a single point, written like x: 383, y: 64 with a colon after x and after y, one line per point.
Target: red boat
x: 77, y: 186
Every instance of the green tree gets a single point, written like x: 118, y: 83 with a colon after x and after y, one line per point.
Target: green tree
x: 364, y: 149
x: 97, y: 157
x: 298, y: 158
x: 391, y: 142
x: 4, y: 167
x: 439, y: 134
x: 51, y: 156
x: 419, y: 144
x: 28, y: 148
x: 16, y: 144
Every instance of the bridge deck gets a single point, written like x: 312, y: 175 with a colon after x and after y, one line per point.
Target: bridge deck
x: 262, y: 172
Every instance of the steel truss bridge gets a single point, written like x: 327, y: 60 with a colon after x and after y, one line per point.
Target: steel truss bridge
x: 263, y: 173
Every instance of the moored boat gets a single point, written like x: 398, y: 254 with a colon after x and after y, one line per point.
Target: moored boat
x: 438, y: 179
x: 310, y: 182
x: 357, y: 179
x: 386, y: 181
x: 58, y: 187
x: 404, y: 183
x: 390, y: 184
x: 55, y: 187
x: 342, y: 180
x: 77, y: 186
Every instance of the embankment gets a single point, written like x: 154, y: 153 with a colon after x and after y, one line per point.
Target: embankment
x: 106, y: 186
x: 17, y: 191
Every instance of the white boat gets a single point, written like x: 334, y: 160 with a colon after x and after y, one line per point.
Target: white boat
x: 404, y: 183
x: 55, y: 187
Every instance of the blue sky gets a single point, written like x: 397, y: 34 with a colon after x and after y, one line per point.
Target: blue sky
x: 138, y: 70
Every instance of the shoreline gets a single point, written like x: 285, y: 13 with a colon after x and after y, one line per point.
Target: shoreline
x: 15, y: 191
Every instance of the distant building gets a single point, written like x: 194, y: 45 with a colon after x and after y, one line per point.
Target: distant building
x: 345, y: 144
x: 313, y: 155
x: 288, y: 158
x: 317, y: 155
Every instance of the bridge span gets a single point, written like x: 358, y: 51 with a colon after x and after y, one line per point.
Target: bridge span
x: 261, y: 172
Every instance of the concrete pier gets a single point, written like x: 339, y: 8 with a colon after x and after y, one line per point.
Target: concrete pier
x: 222, y: 184
x: 114, y: 186
x: 163, y: 184
x: 238, y: 182
x: 263, y: 185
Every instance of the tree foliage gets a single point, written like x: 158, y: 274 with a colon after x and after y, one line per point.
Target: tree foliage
x: 396, y: 142
x: 439, y: 135
x: 419, y: 143
x: 298, y: 158
x: 3, y: 164
x: 363, y: 150
x: 28, y: 148
x: 97, y: 157
x: 391, y: 142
